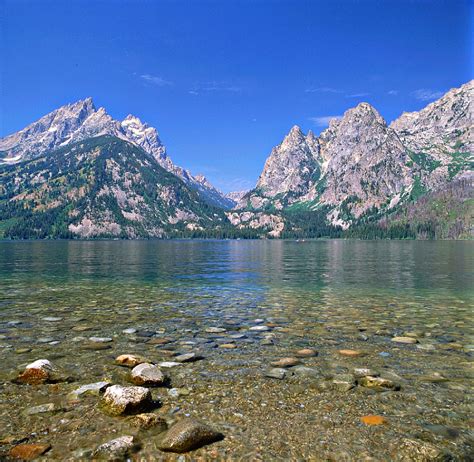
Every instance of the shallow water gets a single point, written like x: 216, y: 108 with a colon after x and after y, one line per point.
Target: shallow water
x: 328, y: 295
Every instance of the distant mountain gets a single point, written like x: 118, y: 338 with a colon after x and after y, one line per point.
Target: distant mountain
x: 235, y: 196
x: 361, y: 167
x: 80, y: 121
x: 99, y: 187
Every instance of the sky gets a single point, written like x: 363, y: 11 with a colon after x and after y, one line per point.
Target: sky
x: 223, y: 81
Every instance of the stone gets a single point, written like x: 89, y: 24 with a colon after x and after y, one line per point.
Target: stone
x: 408, y: 340
x: 129, y: 331
x: 148, y: 374
x: 187, y: 358
x: 159, y: 341
x: 260, y: 329
x: 351, y: 353
x: 117, y: 448
x: 419, y: 451
x: 215, y: 330
x: 90, y: 389
x: 118, y: 400
x: 306, y: 353
x: 228, y: 346
x: 276, y: 373
x: 343, y: 382
x: 169, y: 364
x: 42, y: 409
x: 129, y: 360
x: 38, y: 372
x: 373, y: 420
x: 177, y: 392
x: 286, y: 362
x: 29, y: 451
x: 52, y: 319
x: 363, y: 372
x: 378, y: 383
x: 149, y: 420
x: 188, y: 434
x: 101, y: 339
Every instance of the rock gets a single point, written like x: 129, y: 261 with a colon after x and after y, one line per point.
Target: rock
x: 177, y: 392
x: 435, y: 377
x: 266, y: 342
x: 39, y: 371
x: 384, y: 354
x: 52, y: 319
x: 41, y: 409
x: 408, y: 340
x: 363, y: 372
x: 188, y: 434
x: 90, y: 389
x: 129, y: 360
x: 276, y: 373
x: 148, y: 374
x: 228, y: 346
x: 260, y: 329
x: 148, y: 420
x: 129, y: 331
x: 169, y: 364
x: 115, y: 449
x: 309, y: 372
x: 373, y: 420
x: 101, y: 339
x: 159, y: 341
x: 286, y: 362
x: 351, y: 353
x: 29, y: 451
x: 343, y: 382
x: 118, y: 400
x: 306, y: 353
x: 378, y: 383
x: 215, y: 330
x: 187, y: 357
x: 444, y: 431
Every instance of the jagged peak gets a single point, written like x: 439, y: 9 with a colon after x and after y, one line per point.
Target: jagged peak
x: 363, y: 110
x: 294, y: 135
x: 86, y: 103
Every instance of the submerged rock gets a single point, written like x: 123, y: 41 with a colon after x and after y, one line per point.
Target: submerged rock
x: 149, y: 420
x: 129, y: 360
x: 90, y: 389
x: 29, y: 451
x: 378, y: 383
x: 418, y: 451
x: 408, y: 340
x: 276, y: 373
x: 117, y: 448
x: 306, y: 353
x: 42, y: 408
x: 286, y: 362
x: 351, y: 353
x: 215, y: 330
x: 148, y: 374
x: 188, y: 434
x: 187, y: 357
x: 118, y: 400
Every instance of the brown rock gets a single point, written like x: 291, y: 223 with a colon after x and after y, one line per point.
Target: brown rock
x: 351, y: 353
x: 286, y: 362
x: 306, y: 353
x: 149, y: 420
x: 129, y: 360
x: 228, y: 346
x: 29, y: 451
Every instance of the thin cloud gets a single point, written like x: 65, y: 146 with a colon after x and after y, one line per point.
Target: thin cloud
x: 192, y: 92
x: 155, y: 80
x: 215, y: 86
x: 425, y: 94
x: 393, y: 92
x: 323, y: 90
x: 323, y: 121
x: 357, y: 95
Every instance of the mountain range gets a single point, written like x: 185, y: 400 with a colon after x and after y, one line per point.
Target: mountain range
x: 77, y: 172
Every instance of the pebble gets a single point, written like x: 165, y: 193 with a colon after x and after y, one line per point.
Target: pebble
x: 215, y: 330
x: 41, y: 409
x: 129, y: 331
x: 52, y: 319
x: 188, y: 434
x: 286, y: 362
x: 177, y: 392
x: 129, y: 360
x: 118, y: 400
x: 101, y: 339
x: 117, y: 448
x: 373, y: 420
x: 351, y: 353
x: 343, y: 382
x: 363, y: 372
x: 260, y: 328
x: 306, y: 353
x: 169, y: 364
x: 148, y: 375
x: 187, y: 358
x: 276, y: 373
x: 29, y: 451
x: 378, y: 383
x: 408, y: 340
x: 228, y: 346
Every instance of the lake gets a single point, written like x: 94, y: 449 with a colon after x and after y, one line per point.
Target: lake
x: 158, y: 299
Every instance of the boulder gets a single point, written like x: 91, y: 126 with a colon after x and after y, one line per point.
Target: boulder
x: 118, y: 400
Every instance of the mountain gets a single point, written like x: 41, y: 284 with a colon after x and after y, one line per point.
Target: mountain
x: 99, y: 187
x: 235, y: 196
x: 80, y: 121
x: 361, y: 167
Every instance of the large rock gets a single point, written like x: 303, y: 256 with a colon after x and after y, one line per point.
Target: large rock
x: 118, y: 400
x: 188, y: 434
x: 129, y: 360
x: 149, y: 375
x: 39, y: 371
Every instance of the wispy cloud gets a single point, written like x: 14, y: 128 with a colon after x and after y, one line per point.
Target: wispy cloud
x: 192, y: 92
x: 393, y: 92
x: 323, y: 121
x: 425, y: 94
x: 155, y: 80
x: 323, y: 90
x: 357, y: 95
x: 214, y: 86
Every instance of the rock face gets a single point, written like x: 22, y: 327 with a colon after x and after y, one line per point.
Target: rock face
x: 187, y: 435
x: 360, y: 166
x: 80, y: 121
x: 118, y: 400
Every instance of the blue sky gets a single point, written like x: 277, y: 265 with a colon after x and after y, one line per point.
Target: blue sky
x: 224, y: 81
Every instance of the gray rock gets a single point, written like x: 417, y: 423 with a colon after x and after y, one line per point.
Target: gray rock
x: 215, y: 330
x: 187, y: 435
x: 43, y: 408
x: 276, y: 373
x: 100, y: 339
x: 148, y: 374
x: 187, y: 358
x: 115, y: 449
x: 90, y: 389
